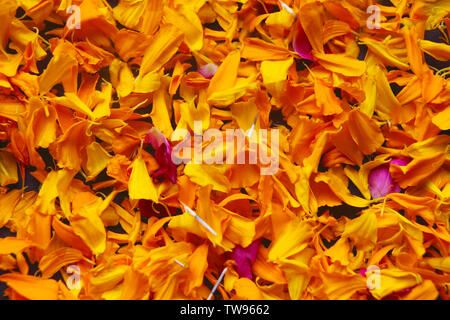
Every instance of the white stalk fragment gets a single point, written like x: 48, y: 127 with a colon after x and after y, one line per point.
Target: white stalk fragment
x: 180, y: 263
x: 287, y: 8
x: 202, y: 222
x: 250, y: 132
x: 217, y: 283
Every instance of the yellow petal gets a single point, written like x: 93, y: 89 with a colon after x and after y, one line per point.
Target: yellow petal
x: 281, y: 18
x: 240, y: 230
x: 363, y: 230
x: 247, y: 290
x: 192, y: 26
x: 339, y: 251
x: 13, y: 245
x: 274, y: 74
x: 121, y: 78
x: 149, y: 82
x: 342, y: 64
x: 135, y: 285
x: 107, y: 278
x: 226, y: 75
x: 366, y: 134
x: 424, y: 291
x: 59, y: 67
x: 297, y: 272
x: 382, y: 51
x: 256, y: 49
x: 30, y: 287
x: 341, y: 286
x: 441, y: 263
x: 97, y: 159
x: 88, y: 225
x: 161, y: 110
x: 57, y: 259
x: 8, y: 169
x: 54, y: 185
x: 8, y: 202
x: 437, y: 50
x: 72, y: 101
x: 392, y: 280
x: 198, y: 263
x: 71, y: 145
x: 204, y: 175
x: 164, y: 45
x: 293, y: 240
x: 140, y: 185
x: 442, y: 119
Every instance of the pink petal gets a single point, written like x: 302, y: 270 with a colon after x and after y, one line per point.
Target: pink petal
x: 208, y: 70
x: 155, y: 138
x: 245, y: 257
x: 399, y: 162
x: 380, y: 182
x: 301, y: 43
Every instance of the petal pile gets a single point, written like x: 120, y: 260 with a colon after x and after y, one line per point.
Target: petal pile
x: 116, y: 181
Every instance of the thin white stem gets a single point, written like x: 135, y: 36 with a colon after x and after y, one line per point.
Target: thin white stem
x: 287, y: 8
x: 202, y: 222
x: 217, y: 283
x: 180, y: 263
x: 250, y: 132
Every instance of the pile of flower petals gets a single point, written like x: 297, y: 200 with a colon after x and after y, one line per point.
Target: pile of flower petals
x: 93, y: 207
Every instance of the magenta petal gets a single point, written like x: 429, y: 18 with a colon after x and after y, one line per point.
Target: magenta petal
x: 208, y: 70
x: 301, y: 43
x: 244, y: 258
x: 380, y: 182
